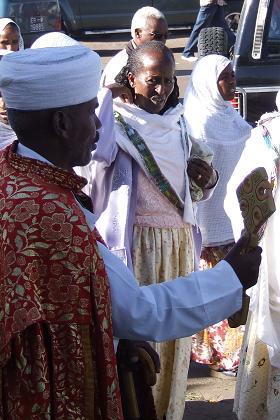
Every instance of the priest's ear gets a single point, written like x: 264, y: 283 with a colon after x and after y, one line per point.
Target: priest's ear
x: 62, y: 123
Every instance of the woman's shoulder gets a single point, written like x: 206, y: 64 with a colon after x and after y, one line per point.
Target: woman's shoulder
x: 269, y: 124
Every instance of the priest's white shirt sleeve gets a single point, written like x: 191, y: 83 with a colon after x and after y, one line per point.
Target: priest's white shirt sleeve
x: 176, y: 308
x: 160, y: 312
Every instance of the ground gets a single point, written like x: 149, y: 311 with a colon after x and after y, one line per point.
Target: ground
x: 208, y: 398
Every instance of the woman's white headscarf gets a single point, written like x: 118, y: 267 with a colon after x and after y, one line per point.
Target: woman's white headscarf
x: 208, y: 115
x: 212, y: 119
x: 4, y: 22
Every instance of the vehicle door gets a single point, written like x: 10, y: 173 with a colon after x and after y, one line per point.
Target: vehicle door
x: 178, y: 12
x: 108, y: 14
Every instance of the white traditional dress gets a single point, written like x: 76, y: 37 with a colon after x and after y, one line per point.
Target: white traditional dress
x: 162, y: 245
x: 258, y: 382
x: 7, y: 135
x: 162, y: 239
x: 213, y: 120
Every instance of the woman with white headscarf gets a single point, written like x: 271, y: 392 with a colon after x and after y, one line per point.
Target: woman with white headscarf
x: 210, y: 117
x: 10, y: 41
x: 257, y: 395
x: 10, y: 35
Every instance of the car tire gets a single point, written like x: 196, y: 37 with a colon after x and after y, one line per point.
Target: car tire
x: 212, y: 41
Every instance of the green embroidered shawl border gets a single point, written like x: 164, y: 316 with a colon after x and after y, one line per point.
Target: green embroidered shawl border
x: 150, y: 163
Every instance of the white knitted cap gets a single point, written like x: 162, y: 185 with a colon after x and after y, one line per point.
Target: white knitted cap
x: 47, y: 78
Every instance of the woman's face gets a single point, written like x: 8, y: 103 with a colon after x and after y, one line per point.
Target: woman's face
x: 227, y: 83
x: 154, y: 83
x: 9, y: 39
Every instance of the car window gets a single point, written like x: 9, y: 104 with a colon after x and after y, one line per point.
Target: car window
x: 273, y: 38
x: 266, y: 42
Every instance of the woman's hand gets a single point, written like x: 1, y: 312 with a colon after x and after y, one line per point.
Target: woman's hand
x: 3, y: 112
x: 120, y: 91
x: 202, y: 173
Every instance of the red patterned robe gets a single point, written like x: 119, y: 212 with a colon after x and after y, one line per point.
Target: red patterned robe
x: 57, y: 359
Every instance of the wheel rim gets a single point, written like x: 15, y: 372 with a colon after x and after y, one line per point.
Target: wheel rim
x: 232, y: 20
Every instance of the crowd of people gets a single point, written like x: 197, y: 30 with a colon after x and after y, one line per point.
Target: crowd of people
x: 120, y: 231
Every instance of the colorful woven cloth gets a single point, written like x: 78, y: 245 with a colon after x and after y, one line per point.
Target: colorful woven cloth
x: 56, y: 347
x: 218, y: 345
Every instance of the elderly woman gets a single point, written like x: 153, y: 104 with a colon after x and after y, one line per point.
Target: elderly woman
x: 257, y: 394
x: 149, y: 218
x: 10, y: 41
x: 211, y: 118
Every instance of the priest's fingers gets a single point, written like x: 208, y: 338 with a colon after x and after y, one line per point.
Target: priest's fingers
x: 246, y: 265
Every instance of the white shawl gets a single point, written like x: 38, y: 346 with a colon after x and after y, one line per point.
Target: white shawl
x: 7, y: 135
x: 212, y: 119
x: 164, y: 137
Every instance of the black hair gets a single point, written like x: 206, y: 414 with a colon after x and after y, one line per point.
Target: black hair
x: 135, y: 65
x: 135, y: 59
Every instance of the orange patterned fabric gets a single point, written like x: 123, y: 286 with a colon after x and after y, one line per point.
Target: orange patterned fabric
x: 53, y: 289
x: 218, y: 345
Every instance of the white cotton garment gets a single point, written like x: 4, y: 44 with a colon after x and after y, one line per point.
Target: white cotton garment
x: 212, y: 119
x: 54, y: 39
x: 45, y: 78
x: 7, y: 135
x: 268, y: 325
x: 265, y: 296
x: 163, y: 136
x: 166, y: 140
x: 4, y: 52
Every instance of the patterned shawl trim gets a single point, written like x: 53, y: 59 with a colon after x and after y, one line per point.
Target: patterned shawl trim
x: 150, y: 163
x: 55, y: 175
